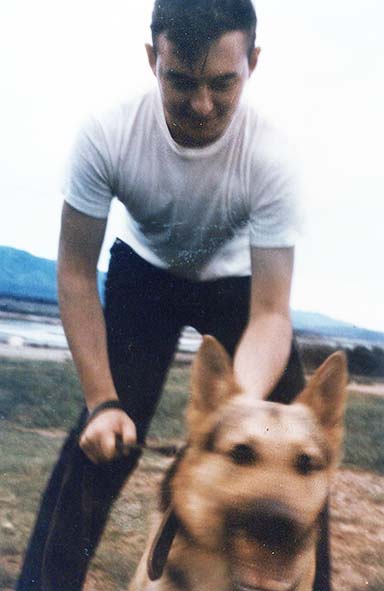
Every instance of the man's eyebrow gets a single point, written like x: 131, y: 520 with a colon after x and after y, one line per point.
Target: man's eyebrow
x: 176, y: 75
x: 224, y: 77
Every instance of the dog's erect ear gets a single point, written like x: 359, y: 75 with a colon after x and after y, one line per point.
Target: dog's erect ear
x: 325, y: 394
x: 212, y: 377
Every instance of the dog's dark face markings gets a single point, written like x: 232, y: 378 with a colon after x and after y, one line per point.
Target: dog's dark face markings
x: 255, y: 475
x: 245, y: 437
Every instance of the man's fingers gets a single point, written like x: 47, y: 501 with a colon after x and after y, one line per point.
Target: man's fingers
x: 92, y: 456
x: 100, y: 450
x: 88, y: 447
x: 128, y: 435
x: 108, y: 436
x: 108, y: 448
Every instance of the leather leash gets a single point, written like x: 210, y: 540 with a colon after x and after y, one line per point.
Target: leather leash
x: 165, y: 535
x: 161, y: 544
x: 159, y: 448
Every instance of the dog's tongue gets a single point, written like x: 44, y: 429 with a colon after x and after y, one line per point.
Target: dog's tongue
x: 255, y: 580
x: 258, y: 569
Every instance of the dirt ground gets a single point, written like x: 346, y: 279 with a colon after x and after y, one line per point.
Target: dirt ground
x: 357, y: 531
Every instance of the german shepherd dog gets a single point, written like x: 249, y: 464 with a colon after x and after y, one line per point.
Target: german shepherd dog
x: 241, y: 503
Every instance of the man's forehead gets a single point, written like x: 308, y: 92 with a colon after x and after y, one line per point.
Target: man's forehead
x: 222, y: 56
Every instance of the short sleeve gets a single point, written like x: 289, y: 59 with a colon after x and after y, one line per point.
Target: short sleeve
x: 88, y: 178
x: 276, y: 218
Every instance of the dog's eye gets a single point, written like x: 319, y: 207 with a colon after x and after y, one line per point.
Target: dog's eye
x: 243, y: 454
x: 304, y: 464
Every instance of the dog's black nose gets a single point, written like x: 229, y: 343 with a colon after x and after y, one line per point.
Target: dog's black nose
x: 267, y: 522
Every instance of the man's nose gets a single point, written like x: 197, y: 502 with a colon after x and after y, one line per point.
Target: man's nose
x: 201, y: 101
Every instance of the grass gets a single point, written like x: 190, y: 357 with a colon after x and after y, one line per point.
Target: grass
x: 364, y: 442
x: 43, y: 394
x: 46, y: 395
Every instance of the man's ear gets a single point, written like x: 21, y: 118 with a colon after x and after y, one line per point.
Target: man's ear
x: 212, y: 377
x: 151, y: 55
x: 253, y: 59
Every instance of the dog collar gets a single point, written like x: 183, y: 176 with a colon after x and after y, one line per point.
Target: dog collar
x: 161, y: 544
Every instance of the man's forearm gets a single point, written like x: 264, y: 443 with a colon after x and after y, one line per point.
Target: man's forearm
x: 263, y: 353
x: 111, y: 432
x: 84, y: 326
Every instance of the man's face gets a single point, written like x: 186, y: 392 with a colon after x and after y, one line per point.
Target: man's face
x: 199, y: 100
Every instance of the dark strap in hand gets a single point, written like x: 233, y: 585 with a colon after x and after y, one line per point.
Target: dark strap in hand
x: 161, y: 545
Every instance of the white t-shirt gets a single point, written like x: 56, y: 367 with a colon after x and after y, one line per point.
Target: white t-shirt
x: 192, y: 211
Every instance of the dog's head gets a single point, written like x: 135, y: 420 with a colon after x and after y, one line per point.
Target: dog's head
x: 255, y: 476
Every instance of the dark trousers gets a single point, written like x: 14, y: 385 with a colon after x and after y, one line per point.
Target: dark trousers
x: 145, y: 309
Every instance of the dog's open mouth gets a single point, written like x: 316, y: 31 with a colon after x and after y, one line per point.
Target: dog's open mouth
x: 255, y: 567
x: 264, y: 548
x: 240, y: 587
x: 261, y: 579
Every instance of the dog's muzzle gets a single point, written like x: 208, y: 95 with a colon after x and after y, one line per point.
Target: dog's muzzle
x: 268, y: 523
x: 263, y: 541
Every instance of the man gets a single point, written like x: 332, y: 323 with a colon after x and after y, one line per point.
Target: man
x: 209, y: 229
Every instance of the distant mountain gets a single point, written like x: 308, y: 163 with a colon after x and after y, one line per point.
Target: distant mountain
x: 33, y: 279
x: 24, y: 276
x: 29, y: 278
x: 326, y: 327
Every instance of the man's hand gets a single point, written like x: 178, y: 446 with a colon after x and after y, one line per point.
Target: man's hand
x: 108, y: 436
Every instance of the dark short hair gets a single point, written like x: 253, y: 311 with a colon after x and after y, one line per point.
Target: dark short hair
x: 192, y: 25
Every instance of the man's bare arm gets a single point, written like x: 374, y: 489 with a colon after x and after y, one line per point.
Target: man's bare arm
x: 83, y: 320
x: 264, y: 349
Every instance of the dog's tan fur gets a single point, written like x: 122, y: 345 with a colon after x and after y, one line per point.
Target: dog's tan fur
x: 252, y: 482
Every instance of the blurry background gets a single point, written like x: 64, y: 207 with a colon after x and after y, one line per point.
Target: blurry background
x: 320, y: 78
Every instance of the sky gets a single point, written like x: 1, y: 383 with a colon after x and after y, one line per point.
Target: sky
x: 320, y: 77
